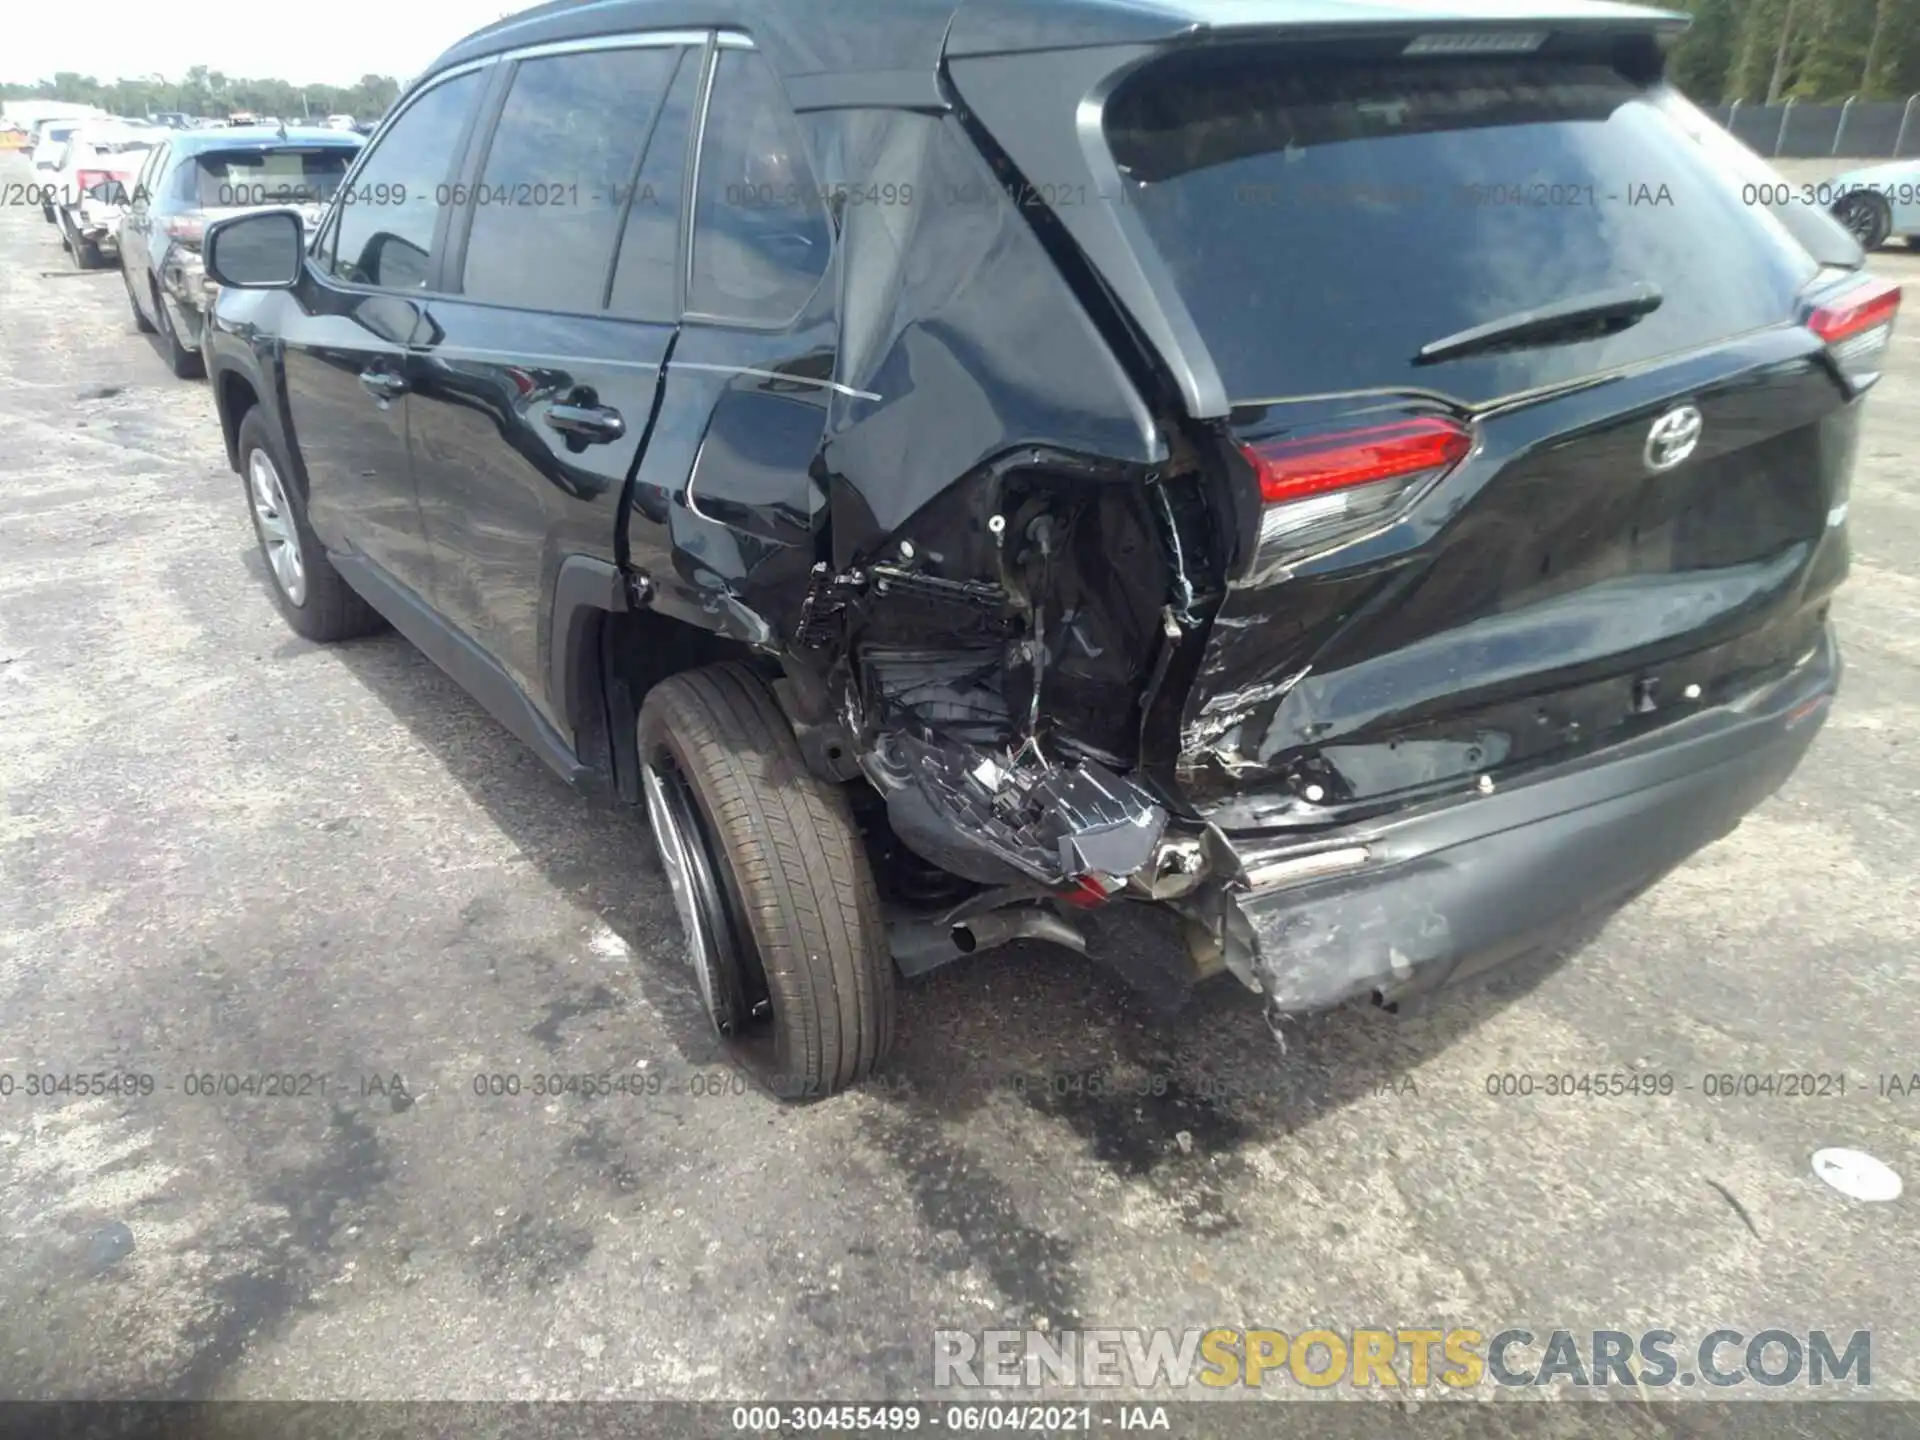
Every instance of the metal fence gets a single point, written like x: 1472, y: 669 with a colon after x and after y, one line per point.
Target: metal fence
x: 1854, y: 129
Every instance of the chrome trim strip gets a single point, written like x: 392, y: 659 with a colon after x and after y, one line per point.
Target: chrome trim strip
x: 632, y: 40
x: 1321, y: 863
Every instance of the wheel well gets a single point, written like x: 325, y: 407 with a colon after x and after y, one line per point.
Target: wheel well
x: 233, y: 397
x: 636, y: 650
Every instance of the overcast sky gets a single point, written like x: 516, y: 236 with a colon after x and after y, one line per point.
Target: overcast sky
x: 334, y: 42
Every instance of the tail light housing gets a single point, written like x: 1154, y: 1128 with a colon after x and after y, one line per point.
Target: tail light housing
x: 99, y: 185
x: 1332, y: 485
x: 187, y: 230
x: 1857, y: 324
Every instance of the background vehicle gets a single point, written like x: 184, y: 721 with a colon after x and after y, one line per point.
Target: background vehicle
x: 49, y: 148
x: 1158, y: 454
x: 1877, y: 202
x: 194, y: 178
x: 94, y: 184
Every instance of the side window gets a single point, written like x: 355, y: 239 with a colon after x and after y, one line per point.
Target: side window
x: 143, y: 186
x: 546, y: 208
x: 385, y: 233
x: 760, y: 237
x: 643, y: 276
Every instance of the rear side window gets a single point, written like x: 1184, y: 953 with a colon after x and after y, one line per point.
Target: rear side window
x: 547, y: 206
x: 760, y: 236
x: 223, y: 179
x: 644, y: 280
x: 1324, y: 218
x: 385, y: 232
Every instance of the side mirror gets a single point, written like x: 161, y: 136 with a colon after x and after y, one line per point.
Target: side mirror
x: 261, y: 251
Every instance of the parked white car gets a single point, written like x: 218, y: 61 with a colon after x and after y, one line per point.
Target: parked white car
x: 1877, y: 202
x: 49, y: 148
x: 94, y: 185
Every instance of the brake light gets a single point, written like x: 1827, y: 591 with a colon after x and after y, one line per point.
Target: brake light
x: 1857, y: 325
x: 1292, y: 469
x: 187, y: 229
x: 1326, y: 487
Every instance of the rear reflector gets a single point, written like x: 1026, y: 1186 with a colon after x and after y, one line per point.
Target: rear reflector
x: 1857, y: 325
x: 1295, y: 469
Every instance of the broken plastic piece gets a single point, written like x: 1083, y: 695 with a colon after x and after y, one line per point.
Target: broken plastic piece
x: 992, y: 818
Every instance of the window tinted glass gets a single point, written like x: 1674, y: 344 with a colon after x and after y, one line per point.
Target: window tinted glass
x: 223, y: 179
x: 1325, y: 218
x: 149, y: 173
x: 547, y: 207
x: 760, y: 239
x: 643, y: 277
x: 385, y: 234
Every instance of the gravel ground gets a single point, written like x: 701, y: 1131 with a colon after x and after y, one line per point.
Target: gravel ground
x: 223, y: 849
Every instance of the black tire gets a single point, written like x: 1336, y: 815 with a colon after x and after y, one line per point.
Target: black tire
x: 86, y: 255
x: 1867, y: 216
x: 796, y: 972
x: 327, y: 609
x: 185, y: 363
x: 140, y: 321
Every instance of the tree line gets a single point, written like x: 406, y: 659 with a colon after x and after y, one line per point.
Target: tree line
x: 1771, y: 50
x: 202, y: 91
x: 1748, y: 50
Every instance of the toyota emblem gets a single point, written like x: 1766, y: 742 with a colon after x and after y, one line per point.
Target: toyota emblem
x: 1673, y: 437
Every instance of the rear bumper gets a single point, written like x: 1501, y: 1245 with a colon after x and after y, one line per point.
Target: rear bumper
x: 1456, y: 890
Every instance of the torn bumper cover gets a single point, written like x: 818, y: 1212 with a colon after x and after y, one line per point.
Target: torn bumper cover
x: 997, y: 819
x: 1430, y: 897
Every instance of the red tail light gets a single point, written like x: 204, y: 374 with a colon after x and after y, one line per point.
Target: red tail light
x: 1322, y: 488
x: 1293, y: 469
x: 1857, y: 325
x: 189, y: 229
x: 111, y: 185
x: 1871, y: 303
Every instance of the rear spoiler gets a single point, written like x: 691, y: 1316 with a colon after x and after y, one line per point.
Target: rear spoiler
x: 1004, y: 27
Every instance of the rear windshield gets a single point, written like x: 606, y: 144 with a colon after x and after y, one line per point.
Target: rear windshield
x: 1325, y: 219
x: 222, y: 179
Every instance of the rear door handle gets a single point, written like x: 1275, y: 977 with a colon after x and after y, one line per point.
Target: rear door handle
x: 382, y: 384
x: 595, y: 424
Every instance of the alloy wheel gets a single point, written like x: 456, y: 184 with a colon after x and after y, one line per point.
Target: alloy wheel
x: 279, y: 537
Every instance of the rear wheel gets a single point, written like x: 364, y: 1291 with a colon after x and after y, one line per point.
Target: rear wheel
x: 1867, y: 216
x: 773, y: 891
x: 311, y: 595
x: 86, y: 255
x: 140, y: 321
x: 184, y: 363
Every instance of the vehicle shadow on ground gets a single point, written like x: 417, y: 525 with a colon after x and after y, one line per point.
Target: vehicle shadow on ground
x: 1118, y: 1043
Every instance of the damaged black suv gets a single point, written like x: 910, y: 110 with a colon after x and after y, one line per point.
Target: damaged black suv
x: 1355, y: 478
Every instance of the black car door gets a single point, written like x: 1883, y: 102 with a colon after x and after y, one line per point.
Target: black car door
x: 726, y: 513
x: 358, y: 304
x: 534, y: 378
